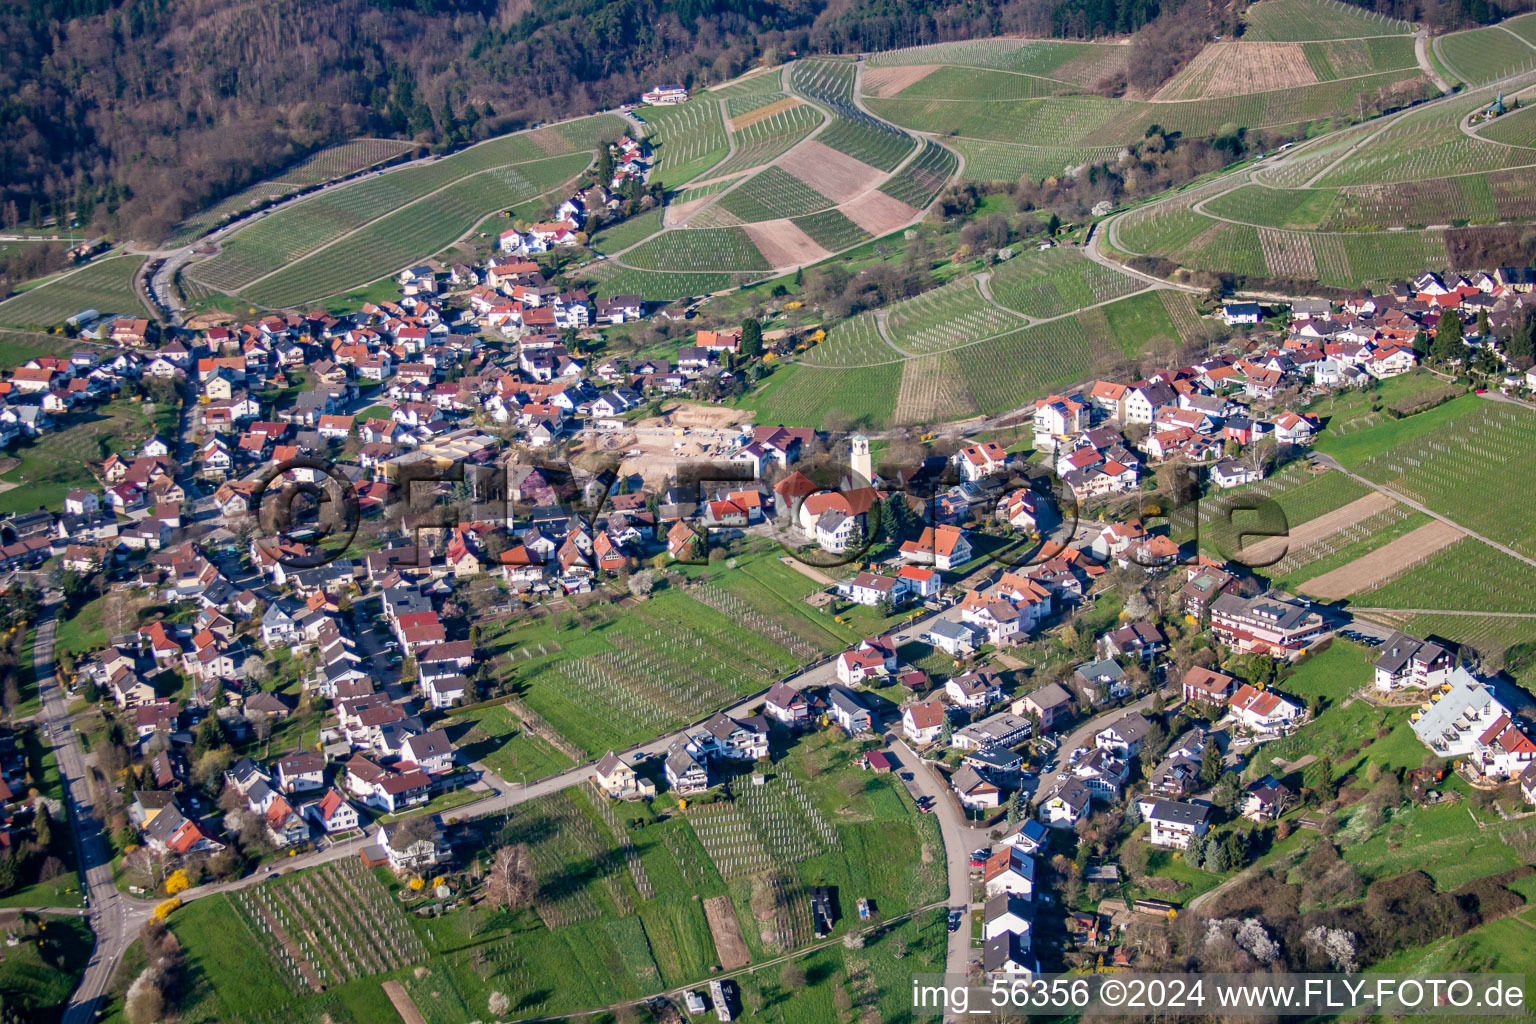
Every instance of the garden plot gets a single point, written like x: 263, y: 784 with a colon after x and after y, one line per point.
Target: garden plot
x: 1230, y: 68
x: 764, y: 828
x: 945, y: 318
x: 328, y: 926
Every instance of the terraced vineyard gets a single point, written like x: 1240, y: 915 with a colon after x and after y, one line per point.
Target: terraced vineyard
x: 1075, y: 63
x: 687, y: 139
x: 1484, y: 54
x: 1094, y: 121
x: 944, y: 318
x: 414, y: 232
x: 809, y: 395
x: 1467, y: 575
x: 1517, y: 128
x: 933, y: 390
x: 1295, y: 20
x: 851, y: 131
x: 754, y: 85
x: 832, y: 231
x: 1448, y: 470
x: 326, y: 165
x: 1006, y: 372
x: 612, y: 238
x: 105, y: 286
x: 612, y: 279
x: 772, y: 193
x: 275, y: 241
x: 764, y: 141
x: 690, y: 249
x: 854, y: 342
x: 1055, y: 282
x: 1424, y: 144
x: 924, y: 177
x: 1003, y: 161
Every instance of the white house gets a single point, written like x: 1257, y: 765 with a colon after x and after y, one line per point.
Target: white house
x: 1263, y: 711
x: 1407, y: 661
x: 922, y: 722
x: 1174, y: 823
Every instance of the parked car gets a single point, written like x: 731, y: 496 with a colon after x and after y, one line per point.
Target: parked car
x: 955, y: 918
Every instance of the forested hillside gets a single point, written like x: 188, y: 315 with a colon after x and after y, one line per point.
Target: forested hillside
x: 129, y: 115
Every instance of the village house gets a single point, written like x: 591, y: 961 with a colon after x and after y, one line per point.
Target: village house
x: 617, y: 779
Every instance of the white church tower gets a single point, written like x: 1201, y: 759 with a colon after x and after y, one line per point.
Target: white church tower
x: 860, y: 463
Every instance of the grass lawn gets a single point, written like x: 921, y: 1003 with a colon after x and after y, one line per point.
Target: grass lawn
x: 54, y: 463
x: 1354, y: 446
x: 1169, y: 864
x: 37, y: 976
x: 1333, y: 674
x: 85, y: 630
x: 374, y: 412
x: 494, y: 737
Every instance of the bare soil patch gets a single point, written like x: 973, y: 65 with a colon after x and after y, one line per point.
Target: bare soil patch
x: 677, y: 213
x: 878, y: 213
x: 729, y: 945
x: 1274, y: 548
x: 687, y: 414
x: 1230, y: 69
x: 882, y: 82
x: 763, y: 113
x: 1386, y: 561
x: 783, y: 244
x: 405, y: 1006
x: 835, y: 175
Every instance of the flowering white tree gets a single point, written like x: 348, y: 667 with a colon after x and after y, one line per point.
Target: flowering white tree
x: 1336, y: 944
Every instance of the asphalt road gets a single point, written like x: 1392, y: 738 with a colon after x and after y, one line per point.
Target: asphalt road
x: 114, y: 918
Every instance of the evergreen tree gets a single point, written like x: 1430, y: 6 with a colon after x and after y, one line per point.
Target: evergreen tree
x: 751, y: 338
x: 1447, y: 345
x: 1519, y: 346
x: 1210, y: 762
